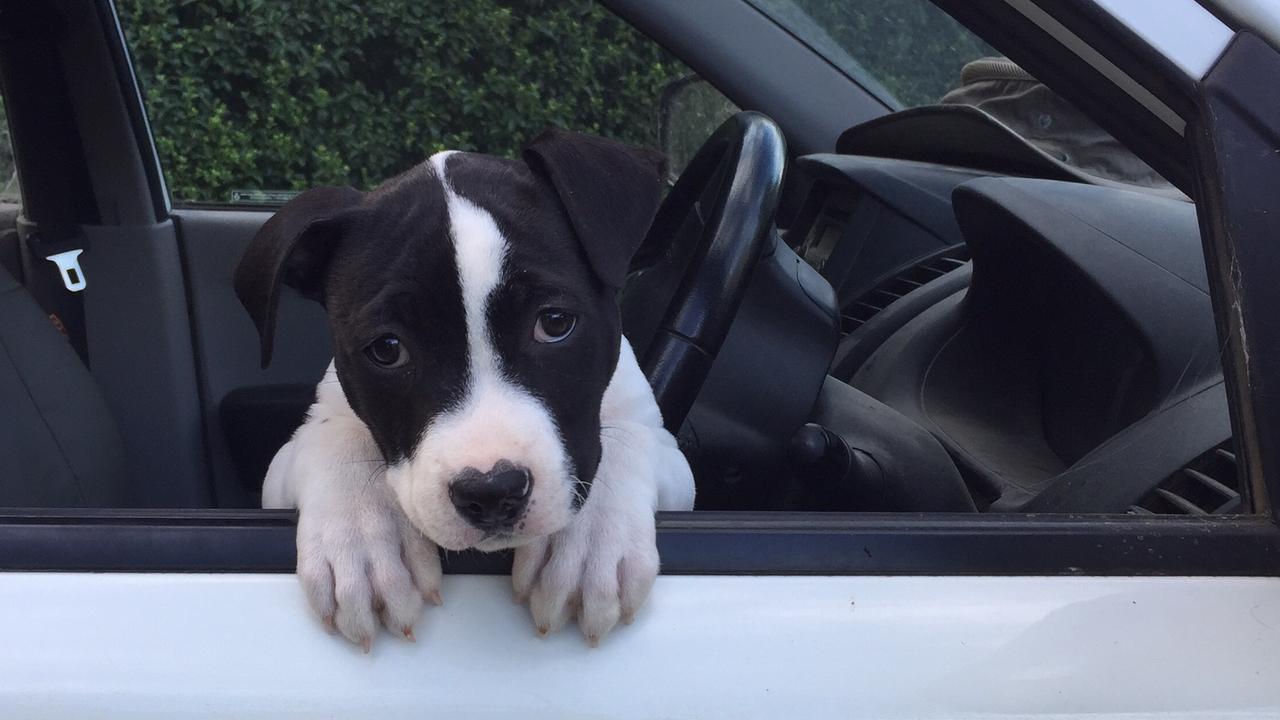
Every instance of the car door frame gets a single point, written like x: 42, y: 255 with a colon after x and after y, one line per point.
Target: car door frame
x: 854, y: 543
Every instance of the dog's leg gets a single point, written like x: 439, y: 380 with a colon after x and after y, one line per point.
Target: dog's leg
x: 602, y: 565
x: 359, y: 558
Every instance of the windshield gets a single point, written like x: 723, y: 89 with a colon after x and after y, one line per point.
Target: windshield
x: 910, y: 53
x: 907, y: 51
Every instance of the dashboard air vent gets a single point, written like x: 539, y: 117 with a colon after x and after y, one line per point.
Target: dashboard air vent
x: 889, y: 290
x: 1210, y: 485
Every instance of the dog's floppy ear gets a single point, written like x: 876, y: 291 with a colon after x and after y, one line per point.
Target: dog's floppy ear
x: 609, y: 190
x: 293, y: 247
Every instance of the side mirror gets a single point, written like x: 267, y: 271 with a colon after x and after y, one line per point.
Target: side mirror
x: 689, y: 111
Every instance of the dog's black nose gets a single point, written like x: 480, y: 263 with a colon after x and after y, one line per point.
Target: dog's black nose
x: 494, y: 499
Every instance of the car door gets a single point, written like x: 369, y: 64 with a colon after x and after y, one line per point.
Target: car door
x: 191, y: 610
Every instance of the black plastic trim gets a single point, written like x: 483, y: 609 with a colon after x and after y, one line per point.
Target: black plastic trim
x: 131, y: 95
x: 1235, y: 141
x: 48, y: 150
x: 262, y: 541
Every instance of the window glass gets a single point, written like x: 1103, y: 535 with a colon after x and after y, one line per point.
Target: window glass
x: 10, y: 205
x: 691, y: 110
x: 9, y: 193
x: 908, y: 50
x: 252, y: 105
x: 911, y: 53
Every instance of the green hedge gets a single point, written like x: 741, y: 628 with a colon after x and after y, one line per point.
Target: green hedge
x: 286, y: 94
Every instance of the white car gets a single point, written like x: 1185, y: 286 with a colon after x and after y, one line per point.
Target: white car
x: 982, y: 393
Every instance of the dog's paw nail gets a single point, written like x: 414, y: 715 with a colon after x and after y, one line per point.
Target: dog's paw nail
x: 408, y: 634
x: 435, y: 598
x: 520, y: 599
x: 593, y: 640
x: 330, y: 626
x: 366, y: 644
x: 627, y: 618
x: 542, y: 631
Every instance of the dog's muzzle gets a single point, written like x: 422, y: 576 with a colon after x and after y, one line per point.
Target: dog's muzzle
x: 492, y: 500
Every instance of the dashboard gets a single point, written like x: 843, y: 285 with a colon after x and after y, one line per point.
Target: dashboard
x: 1042, y: 345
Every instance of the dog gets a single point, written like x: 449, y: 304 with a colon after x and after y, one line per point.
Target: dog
x: 481, y: 393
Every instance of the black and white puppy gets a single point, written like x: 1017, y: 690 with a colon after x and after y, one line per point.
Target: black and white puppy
x: 481, y: 394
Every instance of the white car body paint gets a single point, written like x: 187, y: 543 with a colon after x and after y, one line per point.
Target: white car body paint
x: 245, y: 646
x: 1166, y: 26
x: 1260, y: 16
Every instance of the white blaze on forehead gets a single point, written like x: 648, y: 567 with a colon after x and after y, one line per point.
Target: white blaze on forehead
x: 480, y: 248
x: 496, y: 419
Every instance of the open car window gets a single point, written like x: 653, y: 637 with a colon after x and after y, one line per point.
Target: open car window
x: 936, y: 346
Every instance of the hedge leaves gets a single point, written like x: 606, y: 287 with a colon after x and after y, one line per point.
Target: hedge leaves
x: 287, y: 94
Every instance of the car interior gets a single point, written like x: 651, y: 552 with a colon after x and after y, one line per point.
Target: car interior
x: 938, y: 315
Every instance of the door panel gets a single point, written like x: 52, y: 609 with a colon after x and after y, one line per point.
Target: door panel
x: 227, y: 344
x: 140, y: 349
x: 246, y: 646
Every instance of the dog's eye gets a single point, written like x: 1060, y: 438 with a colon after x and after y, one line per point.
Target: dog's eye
x: 387, y: 351
x: 553, y: 326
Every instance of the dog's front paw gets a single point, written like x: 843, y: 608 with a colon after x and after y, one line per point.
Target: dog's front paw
x: 600, y: 573
x: 361, y: 562
x: 601, y: 567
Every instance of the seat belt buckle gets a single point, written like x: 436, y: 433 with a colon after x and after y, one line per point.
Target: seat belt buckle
x: 68, y: 263
x: 65, y: 254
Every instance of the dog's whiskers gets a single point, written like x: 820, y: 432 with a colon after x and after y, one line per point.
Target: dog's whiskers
x: 619, y: 435
x: 373, y: 475
x: 579, y: 490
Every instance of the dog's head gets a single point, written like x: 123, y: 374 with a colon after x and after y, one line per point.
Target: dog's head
x: 475, y: 325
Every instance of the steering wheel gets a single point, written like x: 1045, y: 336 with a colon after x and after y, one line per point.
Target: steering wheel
x: 678, y: 307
